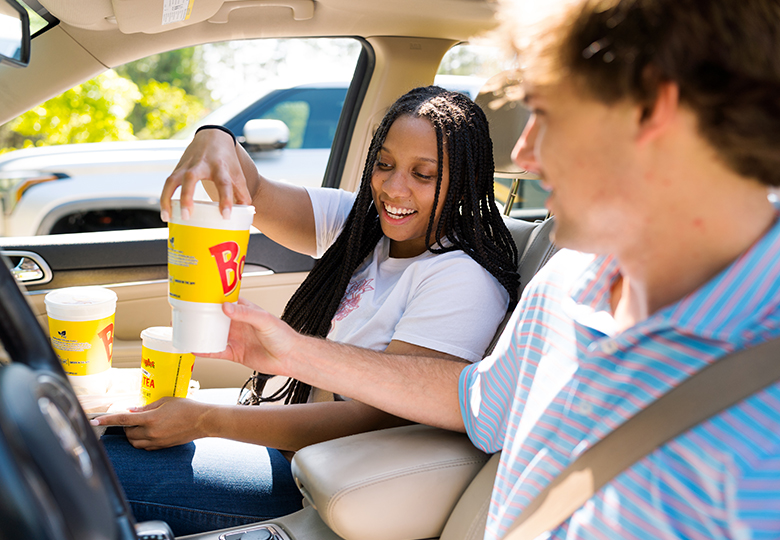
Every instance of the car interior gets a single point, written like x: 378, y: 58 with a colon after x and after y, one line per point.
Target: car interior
x: 56, y: 481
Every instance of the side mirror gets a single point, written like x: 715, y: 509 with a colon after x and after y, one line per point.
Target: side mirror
x: 265, y: 134
x: 14, y: 34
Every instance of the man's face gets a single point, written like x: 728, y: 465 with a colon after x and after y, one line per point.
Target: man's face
x: 585, y: 152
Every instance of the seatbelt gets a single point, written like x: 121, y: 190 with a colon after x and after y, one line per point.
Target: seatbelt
x: 718, y: 386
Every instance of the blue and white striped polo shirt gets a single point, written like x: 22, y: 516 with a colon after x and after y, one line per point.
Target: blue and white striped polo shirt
x: 562, y: 378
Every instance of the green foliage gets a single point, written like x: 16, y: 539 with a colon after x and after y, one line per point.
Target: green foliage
x: 174, y: 92
x: 180, y: 68
x: 163, y: 110
x: 90, y: 112
x: 152, y: 98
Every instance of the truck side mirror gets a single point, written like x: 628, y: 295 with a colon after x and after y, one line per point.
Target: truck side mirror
x: 265, y: 134
x: 14, y: 34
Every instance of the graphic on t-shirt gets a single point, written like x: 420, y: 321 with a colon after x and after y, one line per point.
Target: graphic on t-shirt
x: 352, y: 295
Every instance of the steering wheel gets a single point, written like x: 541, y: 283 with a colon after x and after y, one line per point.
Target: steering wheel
x: 55, y: 479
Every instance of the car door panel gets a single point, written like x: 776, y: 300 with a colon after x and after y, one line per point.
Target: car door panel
x: 138, y: 275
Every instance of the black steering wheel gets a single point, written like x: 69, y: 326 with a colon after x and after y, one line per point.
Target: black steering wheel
x: 55, y: 479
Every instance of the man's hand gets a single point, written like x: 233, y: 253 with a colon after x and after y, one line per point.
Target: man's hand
x: 257, y: 339
x: 167, y: 422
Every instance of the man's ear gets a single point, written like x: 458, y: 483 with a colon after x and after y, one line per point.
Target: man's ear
x: 659, y: 114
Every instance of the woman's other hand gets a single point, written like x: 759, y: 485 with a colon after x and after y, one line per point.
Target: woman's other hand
x: 167, y: 422
x: 212, y: 156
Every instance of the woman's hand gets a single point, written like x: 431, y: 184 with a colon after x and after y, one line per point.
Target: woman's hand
x: 167, y: 422
x: 257, y: 339
x: 211, y: 155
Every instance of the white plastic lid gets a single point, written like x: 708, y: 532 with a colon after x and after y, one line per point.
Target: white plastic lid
x: 159, y: 338
x: 207, y: 215
x: 80, y: 303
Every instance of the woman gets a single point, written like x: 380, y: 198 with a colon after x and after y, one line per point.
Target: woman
x: 418, y: 261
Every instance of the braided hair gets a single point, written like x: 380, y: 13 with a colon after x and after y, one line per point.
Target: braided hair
x: 470, y: 221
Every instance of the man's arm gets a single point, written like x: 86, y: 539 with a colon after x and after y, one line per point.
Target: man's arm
x: 419, y: 388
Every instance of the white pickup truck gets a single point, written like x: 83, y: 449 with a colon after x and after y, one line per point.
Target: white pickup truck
x: 116, y: 185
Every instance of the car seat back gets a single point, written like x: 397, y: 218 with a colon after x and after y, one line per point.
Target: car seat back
x: 468, y: 518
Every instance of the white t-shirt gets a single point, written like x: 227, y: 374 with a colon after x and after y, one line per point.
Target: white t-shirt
x: 446, y: 302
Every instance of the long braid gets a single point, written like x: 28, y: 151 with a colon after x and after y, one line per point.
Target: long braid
x: 469, y: 221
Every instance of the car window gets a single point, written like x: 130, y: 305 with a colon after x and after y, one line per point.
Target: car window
x: 477, y: 62
x: 140, y: 117
x: 296, y: 115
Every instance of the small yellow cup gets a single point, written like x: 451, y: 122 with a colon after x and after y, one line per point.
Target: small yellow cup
x: 165, y: 371
x: 81, y: 328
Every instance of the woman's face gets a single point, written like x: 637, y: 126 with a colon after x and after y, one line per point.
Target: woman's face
x: 404, y: 184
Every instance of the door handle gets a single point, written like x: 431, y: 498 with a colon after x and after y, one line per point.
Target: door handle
x: 30, y: 269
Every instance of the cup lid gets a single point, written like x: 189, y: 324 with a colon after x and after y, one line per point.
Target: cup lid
x: 159, y: 338
x: 81, y: 301
x: 207, y: 214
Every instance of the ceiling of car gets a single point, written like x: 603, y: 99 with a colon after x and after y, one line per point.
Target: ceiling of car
x: 433, y: 18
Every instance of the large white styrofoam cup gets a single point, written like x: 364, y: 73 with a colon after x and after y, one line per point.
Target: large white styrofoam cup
x: 205, y: 261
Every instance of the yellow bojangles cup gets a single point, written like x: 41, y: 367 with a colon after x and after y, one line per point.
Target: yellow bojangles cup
x: 206, y: 255
x: 165, y: 371
x: 81, y: 328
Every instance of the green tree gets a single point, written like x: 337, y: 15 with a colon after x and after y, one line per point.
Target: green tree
x: 163, y: 110
x: 164, y: 79
x: 151, y: 98
x: 90, y: 112
x: 180, y: 68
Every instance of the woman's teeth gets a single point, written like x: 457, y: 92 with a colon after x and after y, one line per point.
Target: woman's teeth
x: 398, y: 213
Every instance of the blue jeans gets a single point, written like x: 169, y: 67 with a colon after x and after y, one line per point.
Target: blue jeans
x: 205, y: 485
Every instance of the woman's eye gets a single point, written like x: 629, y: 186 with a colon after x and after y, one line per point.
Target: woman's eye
x: 425, y: 176
x: 383, y: 166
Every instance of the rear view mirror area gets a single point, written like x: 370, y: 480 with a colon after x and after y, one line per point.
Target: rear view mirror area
x: 14, y: 34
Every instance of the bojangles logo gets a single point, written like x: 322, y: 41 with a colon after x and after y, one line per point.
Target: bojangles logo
x: 107, y: 335
x: 230, y: 264
x: 146, y: 362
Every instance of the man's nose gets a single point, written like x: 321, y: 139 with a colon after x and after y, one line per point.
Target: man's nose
x: 524, y: 152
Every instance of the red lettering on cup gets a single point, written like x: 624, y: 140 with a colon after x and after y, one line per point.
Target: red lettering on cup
x: 230, y: 267
x: 107, y: 335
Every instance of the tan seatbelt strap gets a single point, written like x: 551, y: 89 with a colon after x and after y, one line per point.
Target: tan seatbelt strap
x: 718, y: 386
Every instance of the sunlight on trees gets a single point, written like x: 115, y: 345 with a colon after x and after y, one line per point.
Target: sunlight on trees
x: 90, y: 112
x: 164, y: 110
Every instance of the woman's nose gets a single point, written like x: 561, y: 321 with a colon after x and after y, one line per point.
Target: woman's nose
x: 524, y: 152
x: 396, y: 185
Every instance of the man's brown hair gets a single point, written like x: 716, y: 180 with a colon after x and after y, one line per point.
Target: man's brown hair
x: 723, y: 54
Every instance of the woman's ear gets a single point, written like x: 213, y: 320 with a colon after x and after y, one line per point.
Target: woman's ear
x: 658, y: 115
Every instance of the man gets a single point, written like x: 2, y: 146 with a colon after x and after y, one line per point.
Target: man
x: 655, y: 127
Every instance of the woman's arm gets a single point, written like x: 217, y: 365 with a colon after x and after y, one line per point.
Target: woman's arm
x: 174, y: 421
x: 283, y: 211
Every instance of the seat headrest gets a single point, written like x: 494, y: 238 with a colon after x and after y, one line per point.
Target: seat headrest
x: 506, y: 118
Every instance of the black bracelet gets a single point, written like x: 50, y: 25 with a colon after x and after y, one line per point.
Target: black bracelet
x: 221, y: 128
